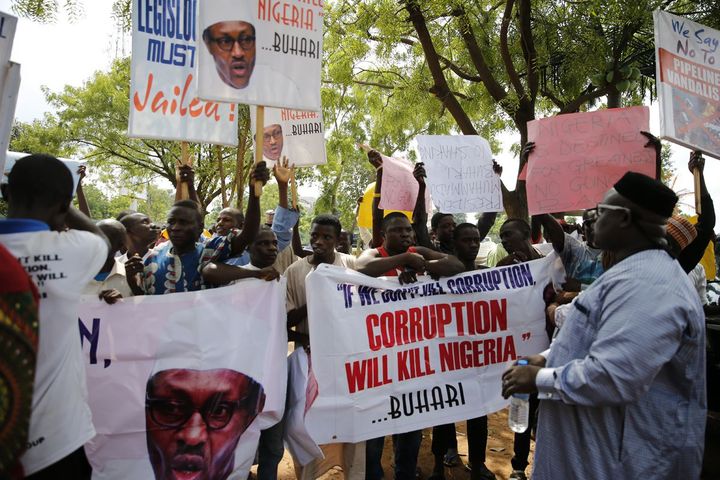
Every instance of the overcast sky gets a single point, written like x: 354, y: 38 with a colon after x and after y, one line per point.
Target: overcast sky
x: 55, y: 55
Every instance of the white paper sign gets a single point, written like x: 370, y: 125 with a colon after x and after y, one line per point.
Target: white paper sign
x: 8, y: 25
x: 460, y: 173
x: 9, y: 82
x: 72, y: 165
x: 393, y: 358
x: 687, y: 59
x: 296, y: 134
x: 163, y: 86
x: 182, y: 384
x: 265, y: 52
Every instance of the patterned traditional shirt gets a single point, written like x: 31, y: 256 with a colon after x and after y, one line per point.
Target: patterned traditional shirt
x: 166, y: 272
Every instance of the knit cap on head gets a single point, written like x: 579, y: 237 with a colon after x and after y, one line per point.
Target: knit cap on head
x: 681, y: 230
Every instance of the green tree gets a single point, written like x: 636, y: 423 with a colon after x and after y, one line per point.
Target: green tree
x: 495, y: 66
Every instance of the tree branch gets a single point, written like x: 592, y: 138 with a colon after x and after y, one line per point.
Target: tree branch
x: 496, y: 91
x: 440, y: 87
x: 505, y: 51
x: 458, y: 71
x: 574, y: 106
x: 528, y: 46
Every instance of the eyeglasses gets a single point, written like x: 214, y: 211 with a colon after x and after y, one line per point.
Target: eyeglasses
x: 174, y: 414
x: 227, y: 43
x: 274, y: 135
x: 604, y: 207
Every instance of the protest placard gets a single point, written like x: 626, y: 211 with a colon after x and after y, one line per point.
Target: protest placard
x: 8, y: 25
x: 579, y: 156
x: 399, y: 187
x: 687, y: 63
x: 163, y: 84
x: 460, y: 173
x: 153, y: 361
x: 73, y: 166
x: 9, y: 82
x: 393, y: 358
x: 295, y: 134
x: 267, y: 52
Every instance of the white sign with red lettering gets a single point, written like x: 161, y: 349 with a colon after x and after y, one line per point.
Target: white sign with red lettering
x: 163, y: 83
x: 296, y: 134
x: 393, y: 358
x: 267, y: 52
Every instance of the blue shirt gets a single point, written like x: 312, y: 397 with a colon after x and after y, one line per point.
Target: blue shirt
x: 283, y: 222
x: 166, y: 272
x: 623, y: 394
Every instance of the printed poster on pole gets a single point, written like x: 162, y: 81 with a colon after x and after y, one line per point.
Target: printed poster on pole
x: 266, y: 53
x: 296, y: 134
x: 687, y: 59
x: 163, y: 83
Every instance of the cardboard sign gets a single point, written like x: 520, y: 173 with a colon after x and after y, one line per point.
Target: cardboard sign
x: 267, y: 52
x: 579, y: 156
x: 9, y: 82
x: 149, y: 374
x: 399, y: 187
x: 296, y: 134
x: 687, y: 59
x: 460, y: 173
x: 163, y: 85
x: 393, y: 358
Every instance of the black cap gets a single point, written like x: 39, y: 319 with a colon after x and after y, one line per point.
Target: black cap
x: 647, y: 192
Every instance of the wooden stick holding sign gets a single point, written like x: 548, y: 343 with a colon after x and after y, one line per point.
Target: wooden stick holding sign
x: 698, y: 184
x: 259, y: 130
x: 293, y: 188
x: 182, y: 191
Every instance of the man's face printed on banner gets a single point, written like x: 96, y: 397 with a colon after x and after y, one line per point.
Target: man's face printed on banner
x: 194, y: 420
x: 232, y: 45
x: 273, y: 141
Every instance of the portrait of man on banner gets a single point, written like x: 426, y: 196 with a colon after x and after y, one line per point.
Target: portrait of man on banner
x: 232, y: 46
x: 195, y: 419
x: 249, y: 54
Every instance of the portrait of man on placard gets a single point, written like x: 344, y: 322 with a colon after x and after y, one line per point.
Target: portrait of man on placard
x: 232, y: 46
x: 194, y: 420
x: 273, y: 142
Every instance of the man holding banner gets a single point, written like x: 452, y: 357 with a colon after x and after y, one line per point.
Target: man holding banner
x: 630, y: 356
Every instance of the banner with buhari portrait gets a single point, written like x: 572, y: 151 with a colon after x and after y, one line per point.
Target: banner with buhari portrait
x: 265, y: 52
x: 296, y: 135
x: 391, y: 358
x: 163, y: 79
x: 181, y: 385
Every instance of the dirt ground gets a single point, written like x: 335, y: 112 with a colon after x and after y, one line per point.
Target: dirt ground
x: 499, y: 453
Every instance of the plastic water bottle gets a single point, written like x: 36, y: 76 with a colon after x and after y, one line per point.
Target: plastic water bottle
x: 519, y: 409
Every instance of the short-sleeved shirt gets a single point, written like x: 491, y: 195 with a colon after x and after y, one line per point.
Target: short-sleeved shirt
x: 581, y: 262
x: 166, y: 272
x: 282, y: 225
x: 296, y: 274
x: 60, y: 264
x: 113, y: 280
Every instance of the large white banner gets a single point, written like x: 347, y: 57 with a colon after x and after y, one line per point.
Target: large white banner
x: 296, y: 134
x: 180, y: 385
x: 163, y: 84
x: 460, y: 173
x: 393, y: 358
x: 265, y: 52
x: 687, y: 59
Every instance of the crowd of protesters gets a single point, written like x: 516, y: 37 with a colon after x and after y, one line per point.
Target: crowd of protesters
x: 621, y: 392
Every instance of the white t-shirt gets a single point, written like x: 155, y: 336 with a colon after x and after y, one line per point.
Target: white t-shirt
x: 61, y: 264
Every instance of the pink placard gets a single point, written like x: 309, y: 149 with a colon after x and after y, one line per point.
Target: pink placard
x: 399, y: 187
x: 579, y: 156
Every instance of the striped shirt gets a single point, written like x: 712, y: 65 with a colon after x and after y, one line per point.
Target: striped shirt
x: 623, y: 394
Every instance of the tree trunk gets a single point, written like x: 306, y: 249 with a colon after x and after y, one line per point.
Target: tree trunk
x: 614, y: 98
